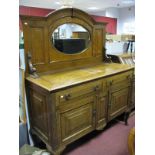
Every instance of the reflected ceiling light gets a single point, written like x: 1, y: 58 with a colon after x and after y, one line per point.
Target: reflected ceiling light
x: 93, y: 8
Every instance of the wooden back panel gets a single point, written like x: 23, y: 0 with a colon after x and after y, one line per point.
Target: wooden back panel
x: 45, y: 57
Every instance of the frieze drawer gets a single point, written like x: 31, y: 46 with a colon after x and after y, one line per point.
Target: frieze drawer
x: 77, y: 91
x: 120, y: 81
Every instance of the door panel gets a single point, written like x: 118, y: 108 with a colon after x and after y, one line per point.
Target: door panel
x: 77, y: 122
x: 118, y: 102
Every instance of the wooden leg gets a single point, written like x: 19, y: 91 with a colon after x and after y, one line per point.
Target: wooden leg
x: 55, y: 152
x: 126, y: 116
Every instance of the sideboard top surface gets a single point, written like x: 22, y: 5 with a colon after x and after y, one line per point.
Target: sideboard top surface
x: 59, y: 80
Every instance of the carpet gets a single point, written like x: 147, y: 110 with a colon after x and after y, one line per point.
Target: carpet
x: 110, y: 141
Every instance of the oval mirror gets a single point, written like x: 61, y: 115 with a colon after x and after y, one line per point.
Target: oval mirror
x: 70, y: 38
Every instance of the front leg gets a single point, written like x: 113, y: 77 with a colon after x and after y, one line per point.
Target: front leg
x: 126, y: 116
x: 57, y: 151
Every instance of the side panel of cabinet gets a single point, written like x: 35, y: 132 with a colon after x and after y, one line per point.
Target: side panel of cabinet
x: 133, y: 94
x: 38, y: 113
x: 78, y: 121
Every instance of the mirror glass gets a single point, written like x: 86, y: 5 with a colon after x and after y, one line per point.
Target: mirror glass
x: 70, y: 38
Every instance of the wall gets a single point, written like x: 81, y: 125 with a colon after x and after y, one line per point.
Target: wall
x: 99, y: 13
x: 126, y: 15
x: 31, y: 11
x: 111, y: 23
x: 112, y: 12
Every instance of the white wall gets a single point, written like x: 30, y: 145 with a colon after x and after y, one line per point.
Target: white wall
x: 126, y: 20
x: 100, y: 13
x: 112, y: 12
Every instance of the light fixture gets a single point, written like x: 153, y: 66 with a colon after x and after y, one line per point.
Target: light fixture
x: 66, y: 3
x: 57, y: 3
x: 128, y: 1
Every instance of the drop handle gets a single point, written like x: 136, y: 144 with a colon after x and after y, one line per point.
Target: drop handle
x: 67, y: 96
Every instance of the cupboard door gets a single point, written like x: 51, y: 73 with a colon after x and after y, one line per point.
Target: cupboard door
x: 77, y: 122
x: 119, y: 94
x: 118, y: 102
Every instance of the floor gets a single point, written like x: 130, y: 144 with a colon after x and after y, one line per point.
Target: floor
x: 111, y: 141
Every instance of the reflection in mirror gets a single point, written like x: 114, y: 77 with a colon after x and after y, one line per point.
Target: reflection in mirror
x: 70, y: 38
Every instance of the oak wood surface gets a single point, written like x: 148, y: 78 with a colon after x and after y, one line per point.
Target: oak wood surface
x: 64, y: 79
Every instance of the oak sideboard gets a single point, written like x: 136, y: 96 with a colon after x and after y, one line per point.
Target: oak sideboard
x: 72, y: 87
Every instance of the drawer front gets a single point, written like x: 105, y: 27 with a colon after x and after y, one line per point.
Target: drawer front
x: 120, y: 81
x: 77, y: 91
x: 77, y: 122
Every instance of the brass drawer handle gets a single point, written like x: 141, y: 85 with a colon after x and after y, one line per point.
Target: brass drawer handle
x: 66, y: 97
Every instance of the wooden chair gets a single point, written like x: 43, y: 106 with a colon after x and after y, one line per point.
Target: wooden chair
x: 131, y: 141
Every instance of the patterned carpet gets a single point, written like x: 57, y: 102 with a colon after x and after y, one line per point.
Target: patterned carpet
x: 111, y: 141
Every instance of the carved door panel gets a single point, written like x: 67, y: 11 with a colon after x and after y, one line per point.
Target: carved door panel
x: 77, y: 121
x: 118, y: 102
x: 119, y: 94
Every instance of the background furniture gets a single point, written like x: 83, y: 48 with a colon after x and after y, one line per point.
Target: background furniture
x: 131, y: 141
x: 125, y: 58
x: 70, y: 95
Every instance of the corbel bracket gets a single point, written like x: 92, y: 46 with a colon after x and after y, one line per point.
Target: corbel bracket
x: 32, y: 70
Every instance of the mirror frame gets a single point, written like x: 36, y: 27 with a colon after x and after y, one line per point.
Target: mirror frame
x: 55, y: 27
